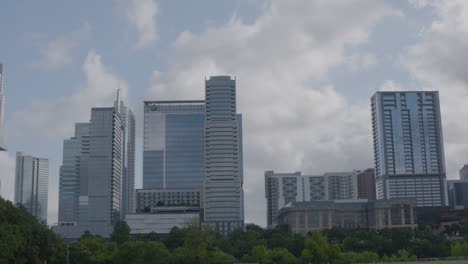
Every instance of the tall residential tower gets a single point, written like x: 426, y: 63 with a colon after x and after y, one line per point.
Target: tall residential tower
x: 31, y: 185
x: 408, y: 147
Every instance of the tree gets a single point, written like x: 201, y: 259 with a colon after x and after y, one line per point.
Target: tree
x: 318, y: 250
x: 142, y: 252
x: 175, y: 238
x: 460, y: 250
x: 121, y: 233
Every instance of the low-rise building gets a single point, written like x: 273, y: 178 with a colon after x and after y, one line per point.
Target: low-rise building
x: 147, y: 199
x: 303, y: 217
x: 162, y: 219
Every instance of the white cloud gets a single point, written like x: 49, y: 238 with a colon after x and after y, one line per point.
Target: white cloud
x: 142, y: 15
x: 289, y: 123
x: 440, y: 61
x: 59, y: 51
x: 7, y: 175
x: 55, y: 117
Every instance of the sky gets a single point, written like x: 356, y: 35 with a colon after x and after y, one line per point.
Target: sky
x: 305, y: 72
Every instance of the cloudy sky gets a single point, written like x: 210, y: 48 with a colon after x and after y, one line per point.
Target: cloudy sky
x: 305, y: 71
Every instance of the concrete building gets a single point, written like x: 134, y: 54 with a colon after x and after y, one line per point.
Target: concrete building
x: 303, y: 217
x: 464, y: 173
x: 31, y: 185
x: 147, y: 199
x: 173, y: 156
x: 162, y: 220
x: 97, y: 174
x: 2, y: 111
x: 366, y: 184
x: 458, y: 193
x: 224, y: 203
x: 284, y: 188
x: 408, y: 147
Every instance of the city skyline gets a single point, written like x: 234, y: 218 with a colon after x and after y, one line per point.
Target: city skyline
x: 304, y: 96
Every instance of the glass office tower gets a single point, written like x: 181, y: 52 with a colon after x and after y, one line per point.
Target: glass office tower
x: 408, y: 147
x: 224, y: 208
x: 32, y: 184
x: 173, y: 156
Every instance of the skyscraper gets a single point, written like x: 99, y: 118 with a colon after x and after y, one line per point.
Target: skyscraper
x: 2, y: 109
x: 128, y: 179
x: 464, y: 173
x: 223, y: 172
x: 69, y: 182
x: 31, y: 185
x: 173, y: 156
x: 408, y: 147
x: 97, y: 175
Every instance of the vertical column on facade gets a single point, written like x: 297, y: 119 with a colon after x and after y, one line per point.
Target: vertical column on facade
x: 330, y: 223
x: 320, y: 219
x: 306, y: 220
x: 402, y: 210
x: 356, y: 218
x: 412, y: 216
x: 380, y: 213
x: 297, y: 220
x: 389, y: 216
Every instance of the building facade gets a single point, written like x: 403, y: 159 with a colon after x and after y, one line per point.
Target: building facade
x: 464, y: 173
x: 173, y: 156
x: 302, y: 217
x: 31, y: 185
x: 69, y: 182
x: 2, y: 111
x: 366, y: 184
x: 148, y: 199
x: 223, y: 204
x: 128, y: 173
x: 458, y: 193
x: 284, y: 188
x: 408, y: 147
x: 162, y: 220
x: 98, y: 171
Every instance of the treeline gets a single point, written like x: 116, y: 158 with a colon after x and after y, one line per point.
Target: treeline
x: 24, y: 240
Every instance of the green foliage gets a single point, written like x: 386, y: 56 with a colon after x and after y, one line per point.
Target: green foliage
x: 121, y: 233
x: 460, y: 249
x: 24, y: 240
x: 401, y: 256
x: 318, y: 250
x: 262, y: 255
x: 358, y: 257
x: 142, y: 252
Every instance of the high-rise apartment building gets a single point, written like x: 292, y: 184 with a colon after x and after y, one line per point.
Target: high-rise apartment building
x: 408, y: 147
x: 31, y: 185
x: 366, y: 184
x: 98, y: 170
x: 224, y: 205
x: 284, y: 188
x: 128, y: 174
x: 2, y: 111
x: 464, y: 173
x: 173, y: 156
